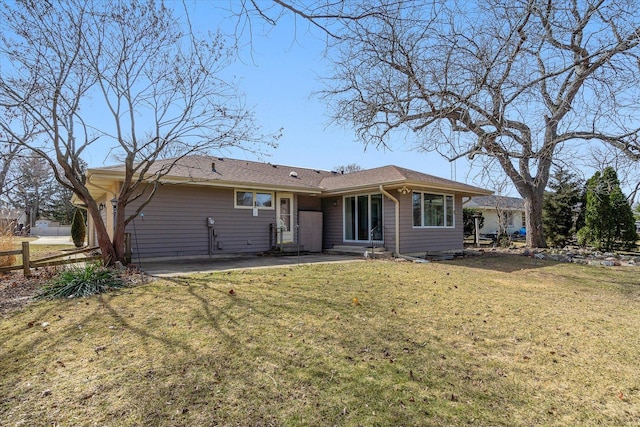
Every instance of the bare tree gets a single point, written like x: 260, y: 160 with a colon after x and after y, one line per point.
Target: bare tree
x: 518, y: 81
x: 9, y: 152
x: 30, y: 186
x: 10, y: 145
x: 325, y: 15
x: 132, y: 77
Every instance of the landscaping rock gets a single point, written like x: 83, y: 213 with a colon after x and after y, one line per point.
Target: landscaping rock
x: 580, y: 260
x: 559, y: 258
x: 575, y: 255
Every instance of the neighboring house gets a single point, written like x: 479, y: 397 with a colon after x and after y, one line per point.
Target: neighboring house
x: 499, y: 212
x: 211, y: 205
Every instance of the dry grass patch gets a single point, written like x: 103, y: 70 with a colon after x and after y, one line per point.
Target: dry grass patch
x: 488, y: 341
x: 7, y: 243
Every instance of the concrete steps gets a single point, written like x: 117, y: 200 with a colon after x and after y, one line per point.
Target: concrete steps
x: 377, y: 252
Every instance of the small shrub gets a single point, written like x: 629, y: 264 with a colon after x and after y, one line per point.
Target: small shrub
x: 78, y: 229
x: 503, y: 240
x: 81, y: 282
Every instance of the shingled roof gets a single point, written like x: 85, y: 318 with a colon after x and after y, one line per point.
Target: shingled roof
x: 393, y: 175
x: 221, y: 171
x: 492, y: 202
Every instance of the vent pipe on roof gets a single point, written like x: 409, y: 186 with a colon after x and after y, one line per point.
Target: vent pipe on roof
x: 213, y: 166
x: 293, y: 174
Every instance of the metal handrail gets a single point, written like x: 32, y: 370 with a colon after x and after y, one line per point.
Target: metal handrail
x: 372, y: 241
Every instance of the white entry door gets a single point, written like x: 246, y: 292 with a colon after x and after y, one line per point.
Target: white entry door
x: 284, y: 215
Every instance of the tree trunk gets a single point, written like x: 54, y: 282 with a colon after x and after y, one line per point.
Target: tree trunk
x: 118, y: 235
x: 533, y: 208
x: 106, y: 247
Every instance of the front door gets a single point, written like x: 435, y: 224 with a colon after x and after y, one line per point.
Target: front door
x: 284, y: 215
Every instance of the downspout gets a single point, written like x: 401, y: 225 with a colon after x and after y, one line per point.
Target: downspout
x: 397, y: 223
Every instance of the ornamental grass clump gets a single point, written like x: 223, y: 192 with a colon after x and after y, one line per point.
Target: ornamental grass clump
x: 81, y: 282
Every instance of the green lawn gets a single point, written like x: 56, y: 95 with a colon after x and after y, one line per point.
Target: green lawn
x: 493, y: 340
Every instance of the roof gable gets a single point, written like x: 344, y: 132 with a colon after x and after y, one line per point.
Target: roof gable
x: 390, y: 175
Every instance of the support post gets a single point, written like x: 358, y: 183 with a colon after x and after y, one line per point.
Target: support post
x: 127, y: 248
x: 476, y: 223
x: 26, y: 268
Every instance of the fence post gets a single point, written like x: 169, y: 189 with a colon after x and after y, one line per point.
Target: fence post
x: 25, y: 259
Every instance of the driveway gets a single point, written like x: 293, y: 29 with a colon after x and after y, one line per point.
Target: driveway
x: 52, y: 240
x: 178, y: 267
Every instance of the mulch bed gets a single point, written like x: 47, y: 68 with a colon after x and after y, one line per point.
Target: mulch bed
x: 16, y: 291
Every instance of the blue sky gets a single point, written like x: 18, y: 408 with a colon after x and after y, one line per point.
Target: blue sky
x: 287, y: 66
x: 278, y: 74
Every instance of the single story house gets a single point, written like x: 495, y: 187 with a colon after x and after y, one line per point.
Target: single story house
x: 213, y: 205
x: 499, y: 212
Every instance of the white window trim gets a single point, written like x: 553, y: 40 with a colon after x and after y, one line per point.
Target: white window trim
x: 439, y: 227
x: 268, y: 208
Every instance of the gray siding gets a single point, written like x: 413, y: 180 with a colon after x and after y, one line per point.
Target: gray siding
x: 389, y: 218
x: 428, y: 239
x: 412, y: 240
x: 174, y: 224
x: 309, y: 203
x: 332, y: 222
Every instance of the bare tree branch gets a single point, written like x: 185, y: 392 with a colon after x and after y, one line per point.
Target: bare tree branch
x: 155, y: 83
x: 518, y: 80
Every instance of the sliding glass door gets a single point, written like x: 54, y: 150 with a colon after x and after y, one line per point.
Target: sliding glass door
x: 363, y: 218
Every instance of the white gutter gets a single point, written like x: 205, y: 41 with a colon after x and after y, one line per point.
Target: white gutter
x: 397, y: 224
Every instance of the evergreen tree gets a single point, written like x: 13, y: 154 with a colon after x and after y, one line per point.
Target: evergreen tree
x: 560, y: 207
x: 58, y: 207
x: 78, y: 229
x: 609, y: 221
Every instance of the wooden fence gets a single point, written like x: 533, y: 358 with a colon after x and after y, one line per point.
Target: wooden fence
x: 28, y: 263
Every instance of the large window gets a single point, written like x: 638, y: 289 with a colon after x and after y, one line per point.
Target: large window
x: 363, y: 217
x: 432, y: 210
x: 251, y: 199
